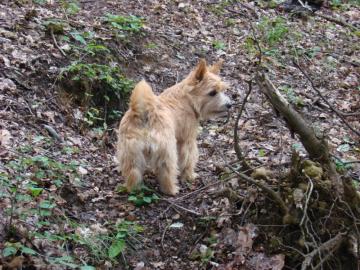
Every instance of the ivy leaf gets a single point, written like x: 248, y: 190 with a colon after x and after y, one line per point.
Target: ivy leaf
x: 9, y: 251
x: 35, y: 191
x: 27, y: 250
x: 87, y: 267
x: 116, y: 248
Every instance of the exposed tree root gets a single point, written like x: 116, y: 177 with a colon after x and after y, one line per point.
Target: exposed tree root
x: 329, y: 246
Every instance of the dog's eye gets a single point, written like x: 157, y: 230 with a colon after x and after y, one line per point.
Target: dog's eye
x: 213, y: 93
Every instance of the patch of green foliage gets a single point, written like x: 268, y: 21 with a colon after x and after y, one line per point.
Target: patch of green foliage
x: 144, y: 196
x: 99, y: 84
x: 291, y: 96
x: 277, y: 40
x: 219, y: 8
x: 274, y: 30
x: 122, y: 25
x: 219, y: 45
x: 71, y: 7
x: 26, y: 184
x: 140, y: 196
x: 104, y: 85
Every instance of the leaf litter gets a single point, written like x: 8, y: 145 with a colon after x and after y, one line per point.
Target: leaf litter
x: 81, y: 202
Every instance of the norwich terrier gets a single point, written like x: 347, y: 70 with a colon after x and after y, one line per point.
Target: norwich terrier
x: 159, y: 132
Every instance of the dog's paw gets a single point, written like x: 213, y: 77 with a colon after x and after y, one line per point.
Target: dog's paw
x: 189, y: 177
x: 170, y: 190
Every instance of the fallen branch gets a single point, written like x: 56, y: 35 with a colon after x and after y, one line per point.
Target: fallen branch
x: 338, y: 21
x: 329, y: 246
x: 337, y: 112
x: 56, y: 44
x: 237, y: 148
x: 329, y: 18
x: 317, y: 149
x: 181, y: 207
x: 274, y: 195
x: 53, y: 133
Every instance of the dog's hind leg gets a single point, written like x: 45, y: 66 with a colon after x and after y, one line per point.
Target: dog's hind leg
x: 167, y: 170
x: 132, y: 165
x: 133, y: 178
x: 188, y: 157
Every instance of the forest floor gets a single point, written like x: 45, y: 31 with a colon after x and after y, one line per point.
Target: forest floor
x: 62, y: 203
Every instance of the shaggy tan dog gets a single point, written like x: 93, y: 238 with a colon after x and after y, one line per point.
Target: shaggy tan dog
x: 159, y: 132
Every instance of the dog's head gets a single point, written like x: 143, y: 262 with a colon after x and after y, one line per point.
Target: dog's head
x: 207, y: 91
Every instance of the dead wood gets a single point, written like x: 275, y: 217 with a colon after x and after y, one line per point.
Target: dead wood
x: 263, y: 186
x: 317, y: 148
x: 338, y: 21
x: 245, y: 166
x: 329, y: 246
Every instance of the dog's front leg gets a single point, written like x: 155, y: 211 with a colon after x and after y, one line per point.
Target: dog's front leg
x: 167, y: 170
x: 188, y: 157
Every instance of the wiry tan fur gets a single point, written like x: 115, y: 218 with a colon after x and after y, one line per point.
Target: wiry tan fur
x: 159, y: 132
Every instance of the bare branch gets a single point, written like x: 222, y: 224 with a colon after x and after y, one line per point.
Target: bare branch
x: 56, y: 44
x: 274, y: 195
x: 237, y: 148
x: 329, y: 246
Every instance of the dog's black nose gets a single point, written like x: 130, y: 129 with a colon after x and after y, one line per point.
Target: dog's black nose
x: 228, y: 105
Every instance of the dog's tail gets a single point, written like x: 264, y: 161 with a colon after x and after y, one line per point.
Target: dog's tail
x: 142, y: 99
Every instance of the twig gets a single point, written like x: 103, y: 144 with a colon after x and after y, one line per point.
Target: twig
x: 163, y: 236
x: 349, y: 114
x: 308, y: 195
x: 338, y: 21
x: 326, y: 101
x: 181, y: 207
x: 329, y: 246
x: 56, y: 44
x: 345, y: 162
x: 329, y: 18
x: 264, y: 187
x: 53, y: 133
x: 305, y: 5
x: 251, y: 9
x: 256, y: 40
x: 202, y: 188
x: 237, y: 148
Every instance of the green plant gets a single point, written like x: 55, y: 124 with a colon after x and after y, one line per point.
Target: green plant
x: 28, y: 179
x: 261, y: 152
x: 341, y: 166
x: 219, y: 8
x: 151, y: 45
x: 143, y: 196
x: 71, y: 7
x: 291, y: 96
x: 108, y: 243
x: 268, y: 34
x: 218, y: 45
x: 12, y: 248
x: 335, y: 3
x: 104, y: 86
x: 230, y: 22
x: 204, y: 255
x: 274, y: 30
x: 124, y: 25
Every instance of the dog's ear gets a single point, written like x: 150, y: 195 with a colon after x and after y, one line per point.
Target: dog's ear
x: 215, y: 68
x: 200, y: 70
